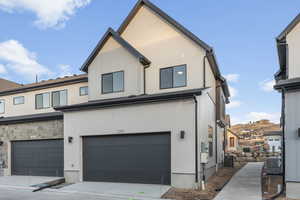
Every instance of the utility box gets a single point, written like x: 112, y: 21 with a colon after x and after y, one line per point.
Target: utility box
x: 229, y: 161
x: 204, y: 158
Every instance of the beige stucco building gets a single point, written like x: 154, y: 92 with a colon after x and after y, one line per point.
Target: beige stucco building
x: 31, y: 131
x: 156, y: 102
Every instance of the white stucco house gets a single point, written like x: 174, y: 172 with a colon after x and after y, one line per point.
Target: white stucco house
x: 274, y: 141
x: 156, y: 100
x: 288, y: 83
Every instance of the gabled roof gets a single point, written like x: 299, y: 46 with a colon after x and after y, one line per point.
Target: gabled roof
x: 6, y: 84
x: 282, y: 48
x: 111, y: 33
x: 161, y: 13
x: 210, y: 52
x: 233, y: 133
x: 289, y: 27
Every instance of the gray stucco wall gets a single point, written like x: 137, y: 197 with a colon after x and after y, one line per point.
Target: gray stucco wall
x: 27, y: 131
x: 292, y: 140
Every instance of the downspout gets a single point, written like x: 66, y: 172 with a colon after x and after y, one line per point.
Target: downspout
x: 204, y: 71
x: 144, y: 84
x: 196, y: 139
x: 283, y: 137
x: 216, y: 131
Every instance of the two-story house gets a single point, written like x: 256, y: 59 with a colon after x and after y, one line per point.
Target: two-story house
x: 288, y: 83
x: 156, y: 101
x: 31, y: 131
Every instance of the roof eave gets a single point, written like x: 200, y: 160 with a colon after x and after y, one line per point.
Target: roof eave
x: 110, y: 32
x: 165, y: 16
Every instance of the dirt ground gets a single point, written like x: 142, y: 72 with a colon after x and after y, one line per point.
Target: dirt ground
x: 271, y: 185
x: 213, y: 186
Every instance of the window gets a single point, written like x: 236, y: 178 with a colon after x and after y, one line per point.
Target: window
x: 173, y: 77
x: 19, y: 100
x: 277, y: 140
x: 231, y: 141
x: 113, y: 82
x: 59, y: 98
x: 270, y: 140
x: 2, y: 106
x: 83, y: 91
x: 42, y: 100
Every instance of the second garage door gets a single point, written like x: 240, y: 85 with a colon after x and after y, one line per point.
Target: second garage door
x: 136, y: 158
x: 38, y: 158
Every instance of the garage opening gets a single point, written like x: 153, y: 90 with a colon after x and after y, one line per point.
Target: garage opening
x: 38, y: 157
x: 130, y: 158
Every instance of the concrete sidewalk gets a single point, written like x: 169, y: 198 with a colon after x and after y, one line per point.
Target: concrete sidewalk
x: 245, y: 184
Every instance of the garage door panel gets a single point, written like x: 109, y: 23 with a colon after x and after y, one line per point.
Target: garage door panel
x: 138, y: 158
x: 38, y: 158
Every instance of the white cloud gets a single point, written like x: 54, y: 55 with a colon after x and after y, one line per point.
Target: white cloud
x: 256, y: 116
x: 232, y: 77
x: 267, y: 85
x: 233, y: 91
x: 234, y: 104
x: 49, y: 13
x: 2, y: 69
x: 65, y: 70
x: 21, y: 61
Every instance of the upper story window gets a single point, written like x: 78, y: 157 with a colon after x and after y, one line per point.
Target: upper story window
x: 2, y: 106
x: 173, y: 77
x: 59, y: 98
x: 42, y: 100
x: 19, y: 100
x: 83, y: 91
x: 113, y: 82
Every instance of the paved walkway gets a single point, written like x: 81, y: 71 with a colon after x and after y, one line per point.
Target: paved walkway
x: 245, y: 184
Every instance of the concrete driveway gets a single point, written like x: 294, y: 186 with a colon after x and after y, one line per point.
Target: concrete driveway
x: 23, y: 194
x: 25, y: 182
x: 116, y: 190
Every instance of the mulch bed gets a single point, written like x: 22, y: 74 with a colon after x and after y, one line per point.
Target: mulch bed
x: 213, y: 186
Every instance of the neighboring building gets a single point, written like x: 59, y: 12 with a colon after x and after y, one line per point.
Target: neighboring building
x: 232, y: 141
x: 273, y: 140
x: 31, y: 131
x: 288, y: 83
x: 156, y: 100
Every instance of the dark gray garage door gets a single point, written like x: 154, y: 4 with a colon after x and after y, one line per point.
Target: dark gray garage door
x: 138, y: 158
x: 38, y: 158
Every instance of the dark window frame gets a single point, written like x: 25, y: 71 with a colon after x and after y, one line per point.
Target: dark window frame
x: 172, y: 67
x: 18, y: 103
x: 3, y: 100
x: 86, y: 93
x: 51, y: 103
x: 43, y: 101
x: 112, y: 73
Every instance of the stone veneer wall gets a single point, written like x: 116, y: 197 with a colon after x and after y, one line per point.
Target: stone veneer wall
x: 27, y: 131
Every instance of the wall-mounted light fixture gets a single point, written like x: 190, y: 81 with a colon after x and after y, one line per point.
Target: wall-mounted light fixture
x: 182, y: 134
x: 70, y: 139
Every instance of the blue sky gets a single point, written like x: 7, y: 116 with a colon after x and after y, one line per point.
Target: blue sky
x: 54, y: 39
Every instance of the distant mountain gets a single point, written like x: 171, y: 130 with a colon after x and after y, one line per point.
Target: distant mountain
x: 254, y: 130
